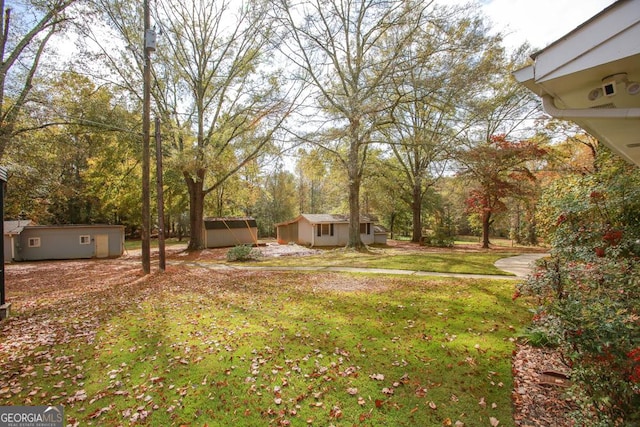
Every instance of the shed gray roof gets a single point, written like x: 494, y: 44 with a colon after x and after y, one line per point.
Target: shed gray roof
x: 325, y: 218
x: 229, y: 223
x: 16, y: 227
x: 378, y: 229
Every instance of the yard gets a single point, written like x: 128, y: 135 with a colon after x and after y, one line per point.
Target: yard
x: 196, y: 346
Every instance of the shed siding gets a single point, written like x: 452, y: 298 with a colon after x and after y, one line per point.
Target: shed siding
x: 8, y: 245
x: 380, y: 238
x: 220, y: 238
x: 225, y: 232
x: 64, y: 242
x: 305, y: 232
x: 287, y: 233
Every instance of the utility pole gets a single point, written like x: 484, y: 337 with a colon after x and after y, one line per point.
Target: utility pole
x: 160, y: 197
x: 149, y: 46
x: 4, y: 306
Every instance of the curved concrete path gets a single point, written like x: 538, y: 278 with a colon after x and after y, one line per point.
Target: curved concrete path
x: 520, y: 265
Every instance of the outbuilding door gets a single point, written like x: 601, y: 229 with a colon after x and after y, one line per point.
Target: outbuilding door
x: 102, y: 245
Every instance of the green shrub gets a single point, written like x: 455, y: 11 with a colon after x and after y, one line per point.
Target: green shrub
x: 438, y: 238
x: 243, y: 253
x: 589, y: 291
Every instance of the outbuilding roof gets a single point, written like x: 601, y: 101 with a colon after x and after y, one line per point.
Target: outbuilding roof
x: 16, y: 227
x: 328, y: 219
x: 229, y: 223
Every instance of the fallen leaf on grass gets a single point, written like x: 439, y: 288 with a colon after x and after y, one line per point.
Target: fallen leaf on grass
x: 482, y: 403
x: 95, y: 414
x: 335, y: 412
x: 80, y: 396
x: 494, y: 422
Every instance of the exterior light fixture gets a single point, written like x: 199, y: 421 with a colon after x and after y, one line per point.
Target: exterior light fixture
x: 609, y: 84
x: 633, y: 88
x: 595, y: 94
x: 609, y: 88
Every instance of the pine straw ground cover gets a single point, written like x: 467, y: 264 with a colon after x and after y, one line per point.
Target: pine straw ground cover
x: 197, y: 347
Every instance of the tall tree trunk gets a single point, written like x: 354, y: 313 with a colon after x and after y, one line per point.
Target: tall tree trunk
x: 486, y: 223
x: 353, y: 171
x: 392, y: 223
x: 532, y: 235
x: 416, y: 207
x: 354, y: 214
x: 196, y: 209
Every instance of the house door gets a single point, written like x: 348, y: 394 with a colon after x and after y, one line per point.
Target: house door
x: 102, y: 245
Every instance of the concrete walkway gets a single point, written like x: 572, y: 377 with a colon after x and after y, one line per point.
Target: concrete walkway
x: 520, y: 265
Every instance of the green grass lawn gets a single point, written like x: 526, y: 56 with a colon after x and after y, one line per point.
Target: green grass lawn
x: 443, y: 262
x: 196, y: 347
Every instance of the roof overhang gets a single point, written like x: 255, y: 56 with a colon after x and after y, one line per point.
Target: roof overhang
x: 591, y: 76
x: 327, y: 219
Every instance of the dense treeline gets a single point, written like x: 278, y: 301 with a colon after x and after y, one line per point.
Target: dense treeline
x: 403, y: 110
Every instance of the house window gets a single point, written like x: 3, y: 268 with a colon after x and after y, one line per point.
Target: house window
x: 365, y: 228
x: 325, y: 230
x: 85, y: 239
x: 34, y: 242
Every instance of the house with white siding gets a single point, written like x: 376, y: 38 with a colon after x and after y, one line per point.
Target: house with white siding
x: 323, y: 230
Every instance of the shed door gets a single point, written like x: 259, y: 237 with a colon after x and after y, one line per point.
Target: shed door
x: 102, y: 245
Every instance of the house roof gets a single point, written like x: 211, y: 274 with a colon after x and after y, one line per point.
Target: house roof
x: 16, y: 227
x: 229, y: 223
x: 592, y: 76
x: 378, y: 229
x: 328, y: 219
x: 33, y: 226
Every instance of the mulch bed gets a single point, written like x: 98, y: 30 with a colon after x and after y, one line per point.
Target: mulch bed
x: 540, y: 388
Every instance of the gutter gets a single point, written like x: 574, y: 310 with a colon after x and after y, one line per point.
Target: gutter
x: 587, y: 113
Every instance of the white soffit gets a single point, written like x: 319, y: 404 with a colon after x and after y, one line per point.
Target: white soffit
x: 612, y: 35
